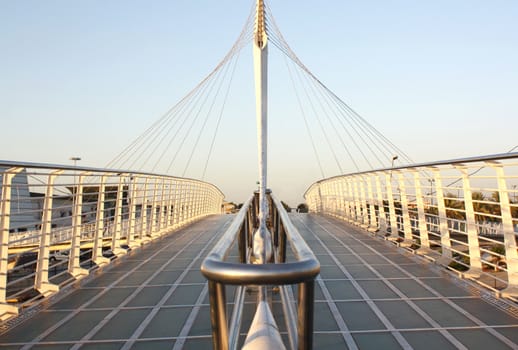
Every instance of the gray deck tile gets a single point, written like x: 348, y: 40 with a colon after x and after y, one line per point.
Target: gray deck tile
x: 328, y: 341
x: 331, y: 272
x: 444, y: 314
x: 376, y: 289
x: 478, y: 339
x: 348, y: 259
x: 38, y: 324
x: 135, y: 279
x: 148, y: 296
x: 342, y: 290
x: 401, y: 315
x: 510, y: 333
x: 389, y: 271
x: 112, y: 298
x: 359, y: 316
x: 153, y: 345
x: 167, y: 323
x: 78, y: 326
x: 201, y: 325
x: 485, y: 312
x: 324, y: 320
x: 102, y: 346
x: 198, y: 343
x: 446, y: 288
x: 428, y: 340
x: 383, y: 341
x: 76, y: 299
x: 185, y: 295
x: 123, y: 324
x: 104, y: 279
x: 411, y: 288
x: 165, y: 277
x: 360, y: 271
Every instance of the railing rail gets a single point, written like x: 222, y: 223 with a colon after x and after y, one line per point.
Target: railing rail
x: 59, y: 222
x: 221, y: 272
x: 463, y: 213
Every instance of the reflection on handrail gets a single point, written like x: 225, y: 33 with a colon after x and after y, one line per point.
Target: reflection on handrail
x: 220, y: 272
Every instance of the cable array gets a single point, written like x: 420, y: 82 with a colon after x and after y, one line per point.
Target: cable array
x: 354, y: 143
x: 170, y: 144
x: 188, y: 132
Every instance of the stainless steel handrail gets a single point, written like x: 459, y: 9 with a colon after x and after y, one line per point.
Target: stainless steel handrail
x: 220, y: 273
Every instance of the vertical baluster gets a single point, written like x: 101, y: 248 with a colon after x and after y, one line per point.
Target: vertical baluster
x: 511, y: 255
x: 41, y: 280
x: 394, y: 231
x: 407, y: 225
x: 74, y: 258
x: 6, y: 310
x: 443, y: 219
x: 423, y: 229
x: 475, y: 261
x: 97, y: 251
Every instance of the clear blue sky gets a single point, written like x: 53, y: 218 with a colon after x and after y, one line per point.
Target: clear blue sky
x: 439, y: 78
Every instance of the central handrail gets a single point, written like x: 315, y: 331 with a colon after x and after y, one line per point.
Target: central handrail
x: 220, y: 272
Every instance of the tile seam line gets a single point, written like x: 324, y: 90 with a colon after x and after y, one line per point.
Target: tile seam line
x: 105, y: 290
x: 384, y: 320
x: 166, y: 296
x: 454, y: 341
x: 473, y: 318
x: 132, y: 339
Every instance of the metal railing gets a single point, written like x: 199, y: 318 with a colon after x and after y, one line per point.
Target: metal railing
x: 463, y: 213
x: 222, y: 272
x: 58, y: 223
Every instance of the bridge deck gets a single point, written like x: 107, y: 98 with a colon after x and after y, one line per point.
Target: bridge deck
x: 369, y: 295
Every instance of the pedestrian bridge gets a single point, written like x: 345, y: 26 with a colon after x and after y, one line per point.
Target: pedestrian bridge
x: 414, y: 256
x: 386, y: 280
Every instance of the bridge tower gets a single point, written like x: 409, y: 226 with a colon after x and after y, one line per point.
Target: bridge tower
x: 260, y: 53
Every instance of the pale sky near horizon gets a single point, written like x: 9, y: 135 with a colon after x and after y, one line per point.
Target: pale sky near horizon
x: 439, y: 78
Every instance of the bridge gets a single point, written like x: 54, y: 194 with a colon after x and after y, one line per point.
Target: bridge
x: 413, y: 256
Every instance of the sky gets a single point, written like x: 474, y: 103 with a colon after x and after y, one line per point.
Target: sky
x: 438, y: 78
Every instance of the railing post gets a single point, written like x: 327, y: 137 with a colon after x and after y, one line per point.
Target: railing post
x: 97, y: 251
x: 394, y: 231
x: 117, y: 220
x: 357, y: 204
x: 41, y: 280
x: 160, y: 208
x: 363, y: 203
x: 475, y: 261
x: 421, y: 215
x: 305, y: 313
x: 132, y: 209
x: 407, y: 226
x: 218, y: 315
x: 511, y: 255
x: 373, y: 220
x: 176, y: 209
x: 153, y: 224
x: 350, y: 202
x: 341, y: 201
x: 169, y: 210
x: 383, y: 227
x: 144, y: 225
x: 74, y: 258
x: 443, y: 219
x: 6, y: 310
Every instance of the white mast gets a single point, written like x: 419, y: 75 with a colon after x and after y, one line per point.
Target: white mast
x: 261, y: 99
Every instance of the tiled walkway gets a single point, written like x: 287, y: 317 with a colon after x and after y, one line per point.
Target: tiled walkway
x: 370, y: 295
